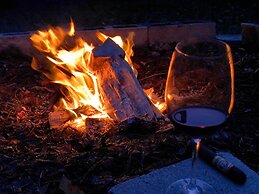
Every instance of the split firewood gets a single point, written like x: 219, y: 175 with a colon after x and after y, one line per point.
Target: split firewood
x: 59, y: 117
x: 108, y: 49
x: 122, y: 93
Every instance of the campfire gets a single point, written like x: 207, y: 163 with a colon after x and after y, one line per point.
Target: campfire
x: 96, y: 81
x: 87, y: 91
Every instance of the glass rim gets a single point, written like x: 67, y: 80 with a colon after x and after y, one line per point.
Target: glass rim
x: 179, y: 46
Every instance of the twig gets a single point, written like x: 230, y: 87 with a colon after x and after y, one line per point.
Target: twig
x: 154, y: 75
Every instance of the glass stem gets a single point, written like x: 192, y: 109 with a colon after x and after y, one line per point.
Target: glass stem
x: 194, y: 160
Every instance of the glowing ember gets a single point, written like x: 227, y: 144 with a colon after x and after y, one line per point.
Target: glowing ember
x: 71, y: 68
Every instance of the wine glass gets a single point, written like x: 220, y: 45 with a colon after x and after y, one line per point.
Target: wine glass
x: 199, y: 95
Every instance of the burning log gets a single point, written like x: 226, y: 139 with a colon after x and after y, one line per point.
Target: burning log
x: 122, y: 95
x: 99, y: 78
x: 121, y: 92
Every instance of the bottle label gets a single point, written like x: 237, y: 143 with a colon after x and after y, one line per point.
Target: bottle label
x: 221, y: 164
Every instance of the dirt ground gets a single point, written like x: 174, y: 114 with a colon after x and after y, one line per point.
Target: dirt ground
x: 34, y: 157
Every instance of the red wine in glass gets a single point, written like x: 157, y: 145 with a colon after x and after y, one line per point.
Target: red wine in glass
x: 200, y: 96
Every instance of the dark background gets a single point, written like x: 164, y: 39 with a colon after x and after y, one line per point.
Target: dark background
x: 22, y: 15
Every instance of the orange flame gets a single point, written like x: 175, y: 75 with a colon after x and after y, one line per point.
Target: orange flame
x: 71, y: 68
x: 72, y: 28
x: 155, y: 100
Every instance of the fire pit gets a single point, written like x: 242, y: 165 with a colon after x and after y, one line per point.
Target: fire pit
x: 36, y: 157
